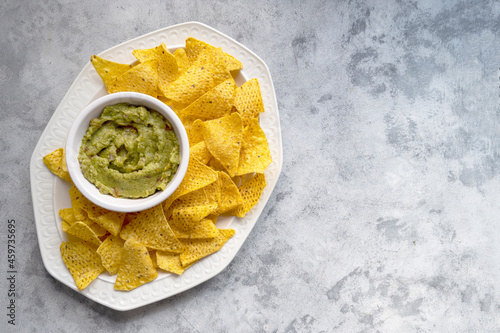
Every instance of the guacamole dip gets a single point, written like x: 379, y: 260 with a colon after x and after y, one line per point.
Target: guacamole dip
x: 129, y: 151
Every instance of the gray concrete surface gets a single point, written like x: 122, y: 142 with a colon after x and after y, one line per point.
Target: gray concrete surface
x: 386, y: 215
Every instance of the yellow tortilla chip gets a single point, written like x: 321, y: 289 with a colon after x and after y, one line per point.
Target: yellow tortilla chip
x: 200, y: 152
x: 223, y: 137
x: 150, y: 228
x: 82, y: 261
x: 186, y: 219
x: 168, y: 70
x: 194, y: 133
x: 250, y: 191
x: 153, y: 53
x: 83, y: 207
x: 255, y: 155
x: 67, y: 215
x: 84, y: 232
x: 205, y: 73
x: 170, y: 262
x: 197, y: 176
x: 182, y: 60
x: 199, y: 248
x: 230, y: 197
x: 97, y: 229
x: 194, y: 47
x: 248, y: 101
x: 65, y: 226
x: 136, y: 267
x: 142, y: 78
x: 56, y: 162
x: 201, y: 230
x: 213, y: 104
x: 111, y: 221
x: 108, y: 70
x: 111, y: 253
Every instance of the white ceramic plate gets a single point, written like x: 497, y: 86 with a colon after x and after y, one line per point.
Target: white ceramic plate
x: 50, y: 194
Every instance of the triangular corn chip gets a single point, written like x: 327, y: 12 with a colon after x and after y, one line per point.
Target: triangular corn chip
x: 153, y: 53
x: 150, y: 228
x: 223, y: 137
x: 248, y: 101
x: 230, y: 197
x: 111, y: 221
x: 82, y: 261
x: 255, y: 155
x: 170, y: 262
x: 84, y: 232
x: 250, y: 191
x: 108, y: 70
x: 56, y: 162
x: 141, y: 78
x: 111, y: 253
x: 213, y: 104
x: 136, y: 267
x: 199, y: 248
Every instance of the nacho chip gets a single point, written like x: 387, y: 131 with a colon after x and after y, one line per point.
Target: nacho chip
x: 205, y: 73
x: 97, y: 229
x: 108, y: 70
x: 67, y: 215
x: 195, y: 134
x: 186, y: 219
x: 203, y: 229
x: 194, y: 47
x: 82, y: 261
x: 255, y: 155
x: 182, y: 60
x: 250, y: 191
x: 84, y: 232
x: 197, y: 176
x: 223, y: 137
x: 111, y: 253
x: 111, y: 221
x: 56, y: 162
x: 213, y: 104
x: 153, y: 53
x: 200, y: 152
x: 150, y: 228
x: 83, y: 207
x: 170, y: 262
x: 136, y: 267
x: 65, y: 226
x: 142, y: 78
x: 230, y: 197
x: 248, y: 101
x: 199, y: 248
x: 168, y: 70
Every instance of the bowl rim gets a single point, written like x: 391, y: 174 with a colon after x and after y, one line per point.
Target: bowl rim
x: 78, y: 129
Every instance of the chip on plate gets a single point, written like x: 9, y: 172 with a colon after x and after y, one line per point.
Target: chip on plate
x: 255, y: 155
x: 111, y: 253
x: 136, y: 267
x: 199, y: 248
x: 150, y: 227
x: 223, y: 137
x: 82, y: 261
x: 56, y: 162
x: 142, y: 78
x: 248, y: 101
x: 108, y: 70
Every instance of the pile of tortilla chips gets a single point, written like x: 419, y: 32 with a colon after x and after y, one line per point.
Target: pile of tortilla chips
x: 228, y: 155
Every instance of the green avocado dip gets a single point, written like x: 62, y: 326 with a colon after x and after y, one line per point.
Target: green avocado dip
x: 129, y: 151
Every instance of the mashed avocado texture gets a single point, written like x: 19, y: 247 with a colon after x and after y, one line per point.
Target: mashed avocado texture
x: 129, y: 151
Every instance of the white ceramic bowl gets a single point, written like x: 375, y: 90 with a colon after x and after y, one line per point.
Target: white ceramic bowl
x: 74, y: 140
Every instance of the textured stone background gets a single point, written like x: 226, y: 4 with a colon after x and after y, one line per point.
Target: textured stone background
x: 386, y: 215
